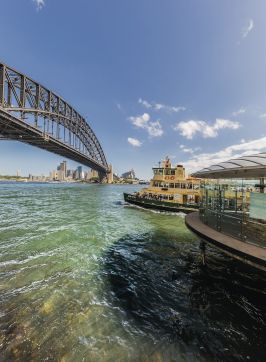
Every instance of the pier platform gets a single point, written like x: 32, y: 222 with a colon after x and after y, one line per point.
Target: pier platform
x: 246, y: 252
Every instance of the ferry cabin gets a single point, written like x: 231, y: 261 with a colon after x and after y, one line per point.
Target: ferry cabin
x: 171, y: 184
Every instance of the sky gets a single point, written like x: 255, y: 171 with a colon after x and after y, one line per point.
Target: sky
x: 153, y: 78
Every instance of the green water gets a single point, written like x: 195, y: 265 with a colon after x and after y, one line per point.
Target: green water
x: 83, y: 277
x: 52, y: 240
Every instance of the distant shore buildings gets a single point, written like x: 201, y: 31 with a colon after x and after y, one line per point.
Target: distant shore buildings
x: 63, y: 174
x: 129, y: 175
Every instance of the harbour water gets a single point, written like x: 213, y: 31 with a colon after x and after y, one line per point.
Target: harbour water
x: 83, y: 277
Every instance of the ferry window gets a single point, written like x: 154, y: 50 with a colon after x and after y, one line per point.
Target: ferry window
x: 191, y: 199
x: 183, y: 186
x: 171, y: 197
x: 170, y: 172
x: 172, y: 185
x: 177, y: 186
x: 189, y: 186
x: 158, y: 171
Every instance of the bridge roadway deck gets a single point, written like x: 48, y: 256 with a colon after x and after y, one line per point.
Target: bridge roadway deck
x: 248, y: 253
x: 15, y: 129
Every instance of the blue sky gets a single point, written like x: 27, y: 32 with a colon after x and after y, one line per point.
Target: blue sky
x: 183, y: 78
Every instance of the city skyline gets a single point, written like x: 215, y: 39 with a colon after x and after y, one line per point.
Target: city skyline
x: 161, y: 78
x: 62, y: 172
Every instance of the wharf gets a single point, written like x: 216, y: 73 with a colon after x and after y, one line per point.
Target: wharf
x: 246, y: 252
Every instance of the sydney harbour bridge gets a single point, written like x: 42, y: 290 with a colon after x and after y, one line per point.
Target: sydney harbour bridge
x: 33, y: 114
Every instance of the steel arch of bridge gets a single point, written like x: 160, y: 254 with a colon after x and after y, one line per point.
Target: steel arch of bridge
x: 31, y: 113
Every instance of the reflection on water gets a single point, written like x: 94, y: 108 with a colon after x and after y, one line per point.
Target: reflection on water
x: 84, y: 278
x: 198, y: 313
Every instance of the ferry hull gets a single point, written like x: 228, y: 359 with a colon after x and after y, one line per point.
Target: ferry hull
x: 159, y: 205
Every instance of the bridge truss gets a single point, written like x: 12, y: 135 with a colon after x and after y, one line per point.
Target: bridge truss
x: 31, y: 113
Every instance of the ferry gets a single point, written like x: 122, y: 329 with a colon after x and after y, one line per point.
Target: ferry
x: 169, y: 190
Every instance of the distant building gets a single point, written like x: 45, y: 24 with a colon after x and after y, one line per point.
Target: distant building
x: 80, y: 173
x: 129, y: 175
x: 62, y: 171
x: 41, y: 178
x: 53, y: 175
x: 65, y: 168
x: 92, y: 174
x: 116, y: 177
x: 70, y: 174
x: 75, y: 175
x: 63, y: 174
x: 88, y: 175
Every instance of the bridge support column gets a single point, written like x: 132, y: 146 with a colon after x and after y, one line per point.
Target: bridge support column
x: 110, y: 175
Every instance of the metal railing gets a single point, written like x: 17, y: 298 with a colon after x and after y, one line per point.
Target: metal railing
x: 235, y: 224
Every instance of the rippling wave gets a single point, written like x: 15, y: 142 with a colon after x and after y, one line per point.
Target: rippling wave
x: 212, y: 313
x: 83, y: 277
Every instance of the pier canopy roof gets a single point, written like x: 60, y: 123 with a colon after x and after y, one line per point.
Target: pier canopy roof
x: 251, y: 166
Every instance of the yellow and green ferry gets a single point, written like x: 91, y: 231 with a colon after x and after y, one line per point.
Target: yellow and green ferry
x: 169, y: 190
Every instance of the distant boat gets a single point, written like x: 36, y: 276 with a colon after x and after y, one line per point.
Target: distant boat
x: 169, y: 190
x: 144, y: 182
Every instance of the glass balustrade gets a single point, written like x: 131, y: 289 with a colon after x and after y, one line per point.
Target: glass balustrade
x: 235, y: 208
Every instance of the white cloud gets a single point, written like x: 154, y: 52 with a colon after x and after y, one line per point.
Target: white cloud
x: 190, y: 128
x: 145, y: 103
x: 154, y: 129
x: 240, y: 111
x: 134, y: 142
x: 140, y: 121
x: 189, y: 150
x: 248, y: 28
x: 39, y: 4
x: 159, y: 106
x: 202, y: 160
x: 263, y: 115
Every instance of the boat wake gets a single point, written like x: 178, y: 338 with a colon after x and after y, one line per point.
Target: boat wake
x: 180, y: 214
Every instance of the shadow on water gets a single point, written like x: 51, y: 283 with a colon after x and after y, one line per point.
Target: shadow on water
x: 208, y: 313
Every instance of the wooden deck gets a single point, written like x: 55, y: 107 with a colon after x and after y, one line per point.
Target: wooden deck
x: 248, y: 253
